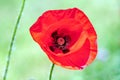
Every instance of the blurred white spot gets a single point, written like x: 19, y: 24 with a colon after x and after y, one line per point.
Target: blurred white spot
x: 18, y: 26
x: 32, y: 78
x: 3, y: 72
x: 83, y: 66
x: 103, y: 54
x: 13, y: 48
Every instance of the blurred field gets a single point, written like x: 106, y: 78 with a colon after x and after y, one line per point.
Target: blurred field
x: 29, y: 62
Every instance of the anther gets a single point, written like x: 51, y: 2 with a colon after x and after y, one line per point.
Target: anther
x: 65, y: 50
x: 51, y: 48
x: 54, y: 34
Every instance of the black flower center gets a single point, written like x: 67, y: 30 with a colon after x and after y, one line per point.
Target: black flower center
x: 60, y: 42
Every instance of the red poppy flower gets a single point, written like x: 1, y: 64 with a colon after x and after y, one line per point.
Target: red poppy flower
x: 67, y: 37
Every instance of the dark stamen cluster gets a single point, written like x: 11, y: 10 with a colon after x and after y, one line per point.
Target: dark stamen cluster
x: 59, y: 42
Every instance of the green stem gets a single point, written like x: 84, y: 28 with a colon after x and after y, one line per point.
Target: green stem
x: 12, y: 40
x: 51, y: 71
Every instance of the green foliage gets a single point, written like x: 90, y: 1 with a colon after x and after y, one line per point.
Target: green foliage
x: 29, y: 62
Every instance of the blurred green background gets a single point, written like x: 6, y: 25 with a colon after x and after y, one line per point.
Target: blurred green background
x: 29, y: 62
